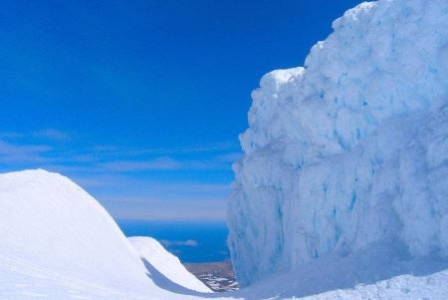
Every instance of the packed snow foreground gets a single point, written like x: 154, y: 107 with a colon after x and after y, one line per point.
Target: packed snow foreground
x: 57, y: 242
x: 342, y: 191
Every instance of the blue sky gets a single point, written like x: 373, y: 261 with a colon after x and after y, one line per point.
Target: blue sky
x: 141, y: 102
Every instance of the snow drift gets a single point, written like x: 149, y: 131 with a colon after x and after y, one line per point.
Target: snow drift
x: 156, y: 257
x: 350, y: 150
x: 57, y: 242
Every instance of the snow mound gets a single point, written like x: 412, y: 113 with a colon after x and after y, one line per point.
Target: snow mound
x: 57, y: 242
x: 159, y: 261
x: 351, y: 149
x: 379, y: 271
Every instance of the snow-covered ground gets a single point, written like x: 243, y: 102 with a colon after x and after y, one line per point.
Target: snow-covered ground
x: 342, y: 192
x: 380, y: 271
x: 158, y: 259
x: 57, y: 242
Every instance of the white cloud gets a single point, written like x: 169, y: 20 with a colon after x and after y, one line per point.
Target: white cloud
x: 130, y: 186
x: 12, y: 155
x: 161, y: 163
x: 146, y: 208
x: 213, y: 147
x: 188, y: 243
x: 230, y: 157
x: 51, y: 134
x: 11, y: 135
x: 30, y: 150
x: 167, y: 164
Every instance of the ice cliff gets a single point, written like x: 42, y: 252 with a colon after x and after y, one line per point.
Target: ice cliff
x: 352, y: 148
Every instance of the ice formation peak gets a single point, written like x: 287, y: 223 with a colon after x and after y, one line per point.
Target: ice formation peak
x: 350, y: 149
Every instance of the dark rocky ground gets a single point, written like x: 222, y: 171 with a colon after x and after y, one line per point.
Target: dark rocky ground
x: 219, y: 276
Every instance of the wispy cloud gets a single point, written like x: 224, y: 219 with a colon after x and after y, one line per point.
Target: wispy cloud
x: 11, y: 154
x: 128, y: 198
x: 48, y: 134
x: 187, y: 243
x: 167, y: 209
x: 43, y: 149
x: 230, y: 157
x: 168, y: 163
x: 190, y: 149
x: 161, y: 163
x: 183, y: 183
x: 122, y: 188
x: 10, y: 135
x: 30, y: 150
x: 51, y: 134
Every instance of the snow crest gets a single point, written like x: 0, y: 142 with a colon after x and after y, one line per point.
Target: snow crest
x: 350, y: 149
x: 165, y: 267
x: 49, y: 225
x: 57, y: 242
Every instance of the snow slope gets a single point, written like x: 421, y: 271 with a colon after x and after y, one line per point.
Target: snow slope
x: 379, y: 271
x: 351, y: 149
x: 57, y: 242
x: 157, y: 258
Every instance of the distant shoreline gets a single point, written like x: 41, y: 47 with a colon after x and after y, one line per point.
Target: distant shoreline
x: 219, y: 276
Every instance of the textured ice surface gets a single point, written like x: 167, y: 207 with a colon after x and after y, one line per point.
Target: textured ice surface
x: 350, y: 149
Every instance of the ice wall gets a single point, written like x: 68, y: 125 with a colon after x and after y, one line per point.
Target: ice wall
x: 350, y: 149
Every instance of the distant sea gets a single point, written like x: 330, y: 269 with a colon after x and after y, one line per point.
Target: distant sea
x: 192, y: 242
